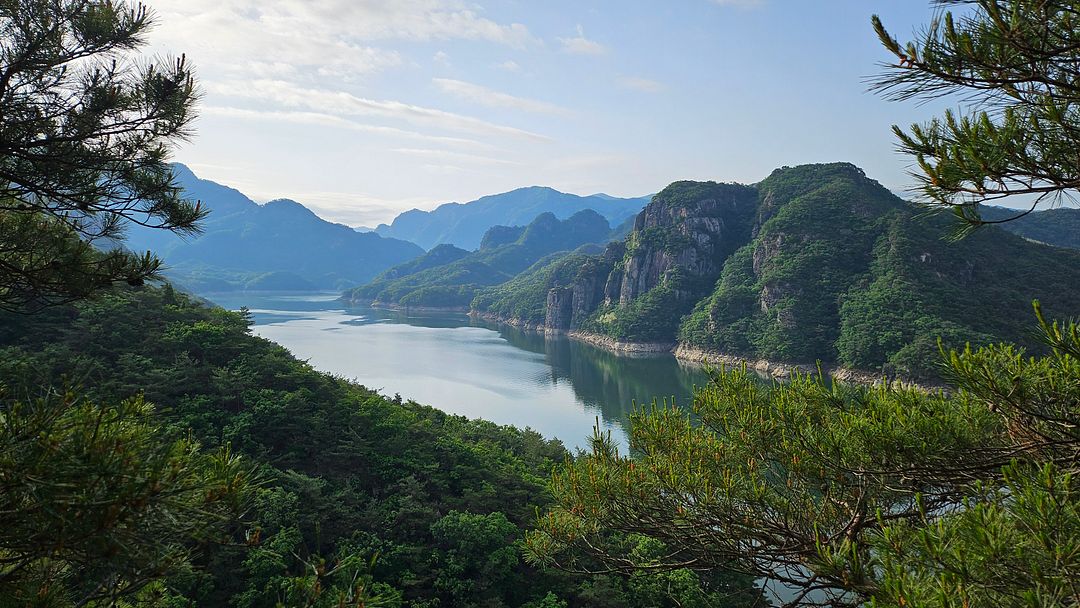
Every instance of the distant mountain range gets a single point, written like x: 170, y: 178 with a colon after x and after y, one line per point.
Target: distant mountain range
x: 464, y: 224
x: 281, y: 245
x: 448, y: 276
x: 1059, y: 227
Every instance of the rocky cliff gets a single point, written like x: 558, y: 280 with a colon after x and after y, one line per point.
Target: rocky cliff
x: 671, y: 258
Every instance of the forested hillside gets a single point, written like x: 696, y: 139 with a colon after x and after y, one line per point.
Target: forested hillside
x: 281, y: 245
x: 447, y: 276
x: 1059, y: 227
x: 347, y: 475
x: 815, y: 263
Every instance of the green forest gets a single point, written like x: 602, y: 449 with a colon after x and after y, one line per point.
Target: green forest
x: 154, y: 452
x: 425, y: 508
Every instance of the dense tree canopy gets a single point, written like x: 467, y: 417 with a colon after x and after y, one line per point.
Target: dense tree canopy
x: 852, y: 494
x: 97, y: 504
x: 347, y: 476
x: 84, y: 139
x: 98, y: 501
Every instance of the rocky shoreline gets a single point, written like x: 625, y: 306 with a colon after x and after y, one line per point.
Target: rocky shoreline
x: 693, y: 354
x: 513, y: 322
x: 622, y: 348
x: 772, y: 369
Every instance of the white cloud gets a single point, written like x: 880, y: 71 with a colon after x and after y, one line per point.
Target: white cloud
x: 315, y: 39
x: 644, y: 85
x: 337, y: 122
x: 341, y: 103
x: 449, y: 155
x: 509, y: 65
x: 441, y: 58
x: 495, y: 99
x: 580, y: 45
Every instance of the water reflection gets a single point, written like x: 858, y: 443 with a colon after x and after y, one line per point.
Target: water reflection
x: 606, y: 381
x: 553, y: 384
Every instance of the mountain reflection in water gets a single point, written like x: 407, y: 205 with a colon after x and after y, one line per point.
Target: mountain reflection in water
x: 552, y: 384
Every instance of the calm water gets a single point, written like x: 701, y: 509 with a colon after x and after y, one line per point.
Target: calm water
x: 559, y: 387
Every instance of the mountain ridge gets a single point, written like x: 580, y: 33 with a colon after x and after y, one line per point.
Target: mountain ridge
x: 448, y: 276
x: 464, y: 224
x: 242, y: 241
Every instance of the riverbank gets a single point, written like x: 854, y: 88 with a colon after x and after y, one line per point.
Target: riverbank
x: 597, y: 340
x: 513, y: 322
x: 693, y: 354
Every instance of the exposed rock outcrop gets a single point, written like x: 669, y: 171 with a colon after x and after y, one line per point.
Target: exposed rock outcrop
x: 689, y: 228
x: 675, y: 253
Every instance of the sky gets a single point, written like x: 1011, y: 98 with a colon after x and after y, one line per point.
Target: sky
x: 362, y: 109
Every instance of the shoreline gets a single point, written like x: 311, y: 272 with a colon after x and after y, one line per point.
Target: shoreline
x: 688, y: 353
x: 539, y: 328
x: 406, y: 308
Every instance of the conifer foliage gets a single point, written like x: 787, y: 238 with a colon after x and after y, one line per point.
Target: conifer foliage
x: 85, y: 135
x: 1012, y: 63
x: 853, y: 494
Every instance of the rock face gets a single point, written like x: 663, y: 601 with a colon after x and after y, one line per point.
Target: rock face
x: 569, y: 305
x: 673, y: 255
x: 560, y: 308
x: 689, y: 228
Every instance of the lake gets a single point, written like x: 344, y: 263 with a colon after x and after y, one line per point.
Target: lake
x: 557, y: 386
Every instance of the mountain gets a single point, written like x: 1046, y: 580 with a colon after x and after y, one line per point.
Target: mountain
x: 1059, y: 227
x: 815, y: 263
x: 448, y: 276
x: 464, y: 224
x: 281, y: 245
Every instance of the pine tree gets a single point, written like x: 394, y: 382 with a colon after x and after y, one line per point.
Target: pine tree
x: 98, y: 503
x: 1012, y: 63
x: 85, y: 132
x: 850, y: 495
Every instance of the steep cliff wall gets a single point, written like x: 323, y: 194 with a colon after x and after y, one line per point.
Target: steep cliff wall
x: 671, y: 259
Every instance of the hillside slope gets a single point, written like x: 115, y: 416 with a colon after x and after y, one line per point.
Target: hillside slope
x: 815, y: 263
x: 242, y: 241
x: 464, y: 224
x: 1059, y: 227
x: 450, y: 277
x: 442, y: 502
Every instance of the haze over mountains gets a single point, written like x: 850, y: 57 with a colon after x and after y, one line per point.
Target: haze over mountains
x: 479, y: 250
x: 448, y: 276
x: 464, y: 224
x: 282, y: 245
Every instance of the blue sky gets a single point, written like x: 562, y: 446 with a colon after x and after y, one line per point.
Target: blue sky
x: 362, y: 109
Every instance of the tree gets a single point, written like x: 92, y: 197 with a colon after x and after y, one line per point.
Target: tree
x: 85, y: 136
x: 97, y: 501
x: 851, y: 494
x: 1014, y: 63
x: 886, y: 495
x: 97, y: 505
